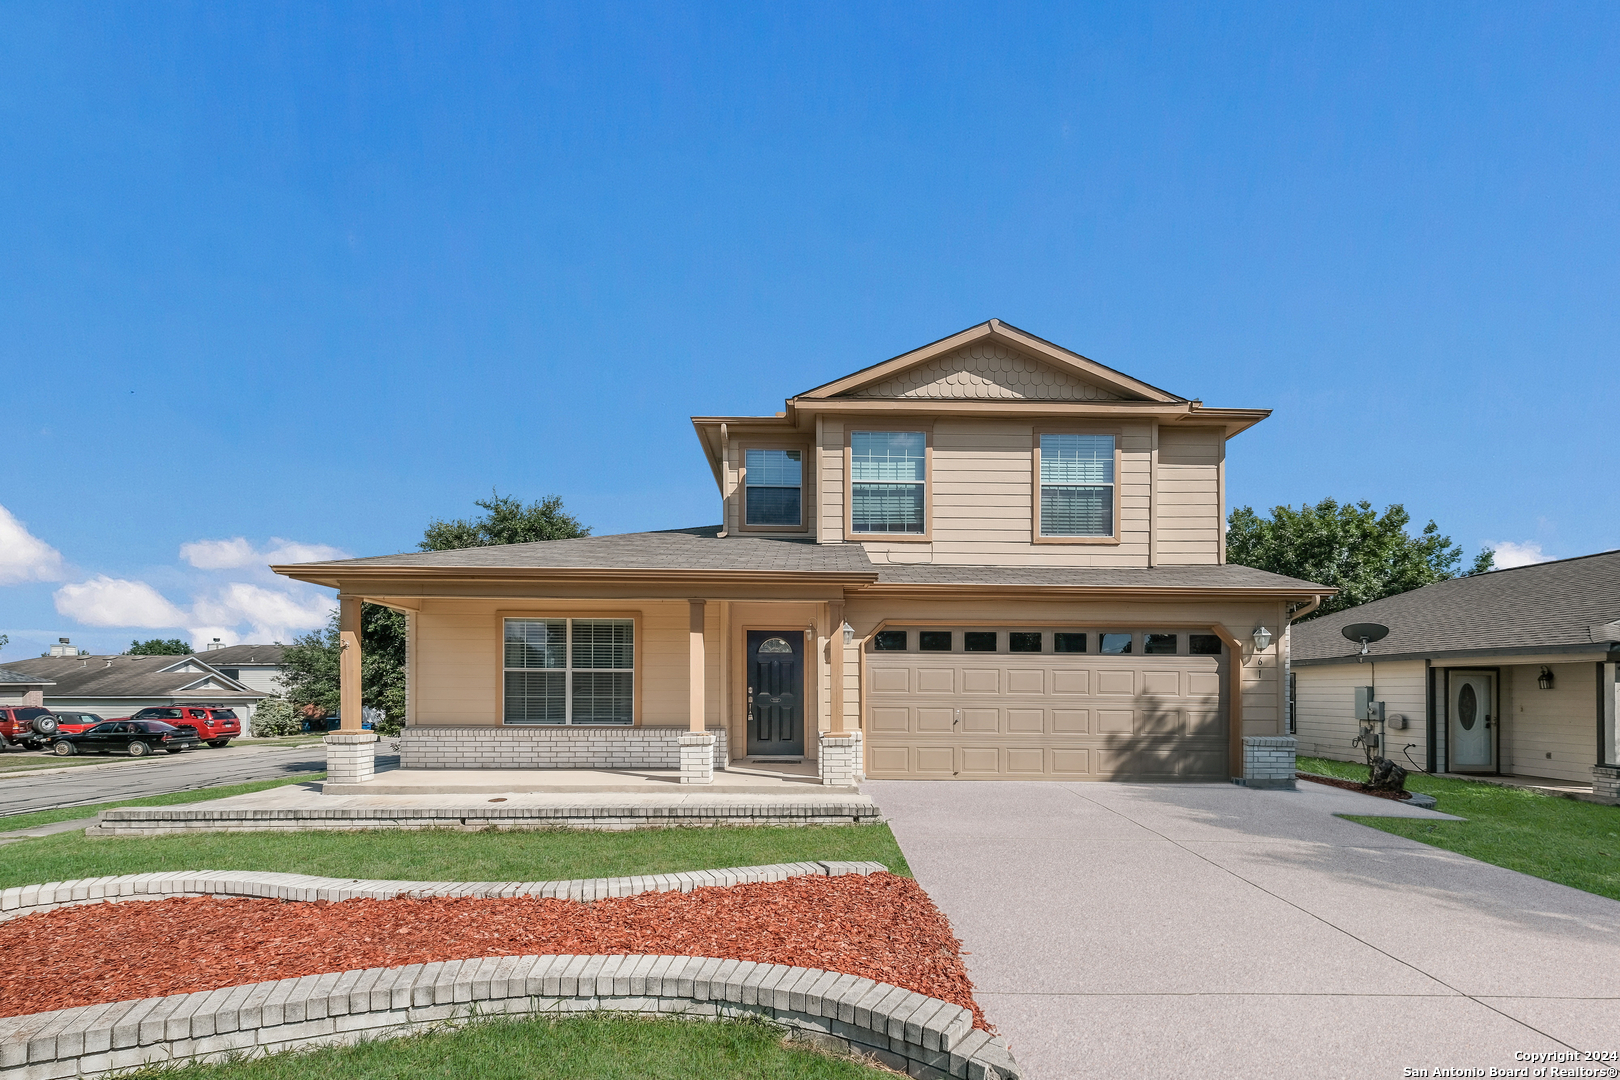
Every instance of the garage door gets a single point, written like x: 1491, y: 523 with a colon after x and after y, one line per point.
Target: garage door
x: 1019, y: 703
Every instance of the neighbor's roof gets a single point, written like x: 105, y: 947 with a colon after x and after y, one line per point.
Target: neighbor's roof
x: 124, y: 676
x: 1564, y: 606
x: 237, y: 655
x: 675, y: 549
x: 14, y: 678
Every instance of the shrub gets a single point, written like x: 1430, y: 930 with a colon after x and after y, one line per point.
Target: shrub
x: 276, y: 716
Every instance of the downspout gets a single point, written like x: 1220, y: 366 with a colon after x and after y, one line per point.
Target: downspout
x: 1299, y: 613
x: 725, y: 481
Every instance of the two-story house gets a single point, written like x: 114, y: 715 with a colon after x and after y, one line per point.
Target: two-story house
x: 989, y: 558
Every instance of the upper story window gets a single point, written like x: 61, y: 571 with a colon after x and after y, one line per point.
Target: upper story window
x: 773, y: 487
x: 1077, y: 485
x: 888, y: 476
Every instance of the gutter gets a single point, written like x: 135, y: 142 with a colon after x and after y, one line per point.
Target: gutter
x: 1611, y: 654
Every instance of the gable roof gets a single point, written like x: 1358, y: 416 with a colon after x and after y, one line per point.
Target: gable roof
x: 238, y: 655
x: 15, y: 678
x: 993, y: 361
x: 1572, y: 605
x: 124, y: 676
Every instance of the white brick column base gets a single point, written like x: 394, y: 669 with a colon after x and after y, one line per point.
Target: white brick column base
x: 351, y: 757
x: 1606, y: 781
x: 1268, y: 761
x: 840, y: 758
x: 697, y: 758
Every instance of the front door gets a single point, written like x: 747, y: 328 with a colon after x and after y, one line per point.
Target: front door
x: 1473, y: 721
x: 775, y: 692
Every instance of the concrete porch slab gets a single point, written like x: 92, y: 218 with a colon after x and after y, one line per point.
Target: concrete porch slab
x: 759, y: 782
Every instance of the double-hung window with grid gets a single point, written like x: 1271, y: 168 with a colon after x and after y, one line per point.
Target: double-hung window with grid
x: 1077, y: 485
x: 570, y: 671
x: 773, y: 486
x: 888, y: 475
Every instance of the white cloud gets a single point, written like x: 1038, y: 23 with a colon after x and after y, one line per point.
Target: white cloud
x: 291, y: 551
x: 1509, y: 554
x: 219, y: 554
x: 271, y: 614
x: 105, y: 601
x: 24, y: 556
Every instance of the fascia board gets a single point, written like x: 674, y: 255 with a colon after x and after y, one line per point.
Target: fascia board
x: 884, y: 368
x: 607, y: 575
x: 1169, y: 411
x: 1153, y: 593
x: 1463, y: 656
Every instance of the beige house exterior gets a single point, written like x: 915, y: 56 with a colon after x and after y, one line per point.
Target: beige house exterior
x: 988, y: 558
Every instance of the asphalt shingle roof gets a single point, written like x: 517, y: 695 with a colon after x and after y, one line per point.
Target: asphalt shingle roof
x: 1572, y: 602
x: 674, y: 549
x: 13, y: 677
x: 233, y: 655
x: 115, y: 676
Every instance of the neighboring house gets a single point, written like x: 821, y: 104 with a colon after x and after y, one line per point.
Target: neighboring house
x: 987, y: 558
x: 19, y: 689
x: 1510, y: 672
x: 257, y: 666
x: 119, y: 684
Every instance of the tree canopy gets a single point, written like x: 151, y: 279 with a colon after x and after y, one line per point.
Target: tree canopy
x: 1366, y: 555
x: 160, y: 647
x: 506, y: 521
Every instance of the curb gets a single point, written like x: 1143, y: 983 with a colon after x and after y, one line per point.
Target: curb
x: 28, y: 899
x: 918, y: 1035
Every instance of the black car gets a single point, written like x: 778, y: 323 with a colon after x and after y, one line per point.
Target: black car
x: 137, y: 738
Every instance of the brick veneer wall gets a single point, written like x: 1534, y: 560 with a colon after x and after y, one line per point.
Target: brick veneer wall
x: 549, y: 747
x: 1268, y: 761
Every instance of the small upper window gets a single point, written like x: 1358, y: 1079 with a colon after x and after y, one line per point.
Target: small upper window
x: 887, y: 470
x: 889, y: 641
x: 979, y: 641
x: 1077, y: 485
x: 1159, y: 644
x: 773, y: 484
x: 1204, y: 644
x: 1115, y: 644
x: 1024, y: 641
x: 1068, y: 641
x: 934, y: 640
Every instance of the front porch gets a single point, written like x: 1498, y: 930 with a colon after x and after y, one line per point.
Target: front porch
x: 766, y: 780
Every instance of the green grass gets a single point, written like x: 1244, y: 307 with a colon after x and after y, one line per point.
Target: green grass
x: 442, y: 855
x: 591, y: 1047
x: 174, y: 798
x: 1573, y: 843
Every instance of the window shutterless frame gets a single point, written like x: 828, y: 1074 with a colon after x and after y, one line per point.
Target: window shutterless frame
x: 568, y: 618
x: 1035, y: 481
x: 927, y: 431
x: 741, y: 447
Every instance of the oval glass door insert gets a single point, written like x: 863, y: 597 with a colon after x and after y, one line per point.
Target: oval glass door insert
x: 1467, y: 707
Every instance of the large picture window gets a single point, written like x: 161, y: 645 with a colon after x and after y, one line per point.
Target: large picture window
x: 773, y: 485
x: 570, y: 671
x: 888, y: 475
x: 1077, y: 485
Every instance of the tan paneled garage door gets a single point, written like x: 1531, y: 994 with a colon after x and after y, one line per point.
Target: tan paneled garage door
x: 1151, y: 707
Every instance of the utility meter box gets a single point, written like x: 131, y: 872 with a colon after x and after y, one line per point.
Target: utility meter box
x: 1364, y: 697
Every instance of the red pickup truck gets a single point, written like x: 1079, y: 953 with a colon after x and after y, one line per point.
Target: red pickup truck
x: 214, y: 724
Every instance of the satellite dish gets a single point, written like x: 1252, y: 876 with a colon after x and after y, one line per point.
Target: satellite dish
x: 1366, y: 631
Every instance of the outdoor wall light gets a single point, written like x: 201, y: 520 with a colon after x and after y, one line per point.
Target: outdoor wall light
x: 849, y: 634
x: 1262, y: 639
x: 1545, y: 679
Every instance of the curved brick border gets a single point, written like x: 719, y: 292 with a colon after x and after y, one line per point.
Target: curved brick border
x: 27, y: 899
x: 921, y: 1036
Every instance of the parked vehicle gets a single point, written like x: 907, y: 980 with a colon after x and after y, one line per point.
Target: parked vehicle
x: 137, y: 738
x: 28, y: 726
x: 212, y: 724
x: 74, y: 722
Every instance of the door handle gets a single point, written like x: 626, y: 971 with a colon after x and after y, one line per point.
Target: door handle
x: 956, y: 717
x: 1487, y: 721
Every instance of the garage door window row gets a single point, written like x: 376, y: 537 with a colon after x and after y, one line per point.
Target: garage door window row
x: 1104, y: 643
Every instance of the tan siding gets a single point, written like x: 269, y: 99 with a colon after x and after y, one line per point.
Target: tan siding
x: 1561, y: 722
x: 832, y: 480
x: 1325, y: 701
x: 1190, y: 514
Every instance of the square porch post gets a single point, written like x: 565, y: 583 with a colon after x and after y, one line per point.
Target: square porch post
x: 350, y: 752
x: 840, y: 761
x: 697, y: 745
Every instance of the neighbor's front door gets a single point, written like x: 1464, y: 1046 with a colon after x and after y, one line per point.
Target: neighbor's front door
x: 775, y: 692
x: 1473, y: 721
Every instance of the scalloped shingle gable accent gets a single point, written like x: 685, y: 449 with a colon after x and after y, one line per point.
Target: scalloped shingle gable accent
x: 986, y: 371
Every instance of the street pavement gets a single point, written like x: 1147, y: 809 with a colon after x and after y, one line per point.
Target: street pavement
x: 1138, y: 930
x: 160, y: 775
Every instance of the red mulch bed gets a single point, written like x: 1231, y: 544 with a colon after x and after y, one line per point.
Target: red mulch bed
x: 880, y: 927
x: 1354, y: 785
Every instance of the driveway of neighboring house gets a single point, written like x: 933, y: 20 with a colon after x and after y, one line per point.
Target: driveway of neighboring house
x: 1125, y: 930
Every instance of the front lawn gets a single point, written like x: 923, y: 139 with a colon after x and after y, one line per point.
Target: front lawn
x: 592, y: 1047
x: 444, y: 855
x: 1547, y: 836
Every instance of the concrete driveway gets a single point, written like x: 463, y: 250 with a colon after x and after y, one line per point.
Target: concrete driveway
x: 1126, y: 930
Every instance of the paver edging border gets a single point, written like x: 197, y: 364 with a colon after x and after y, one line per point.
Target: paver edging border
x: 921, y: 1036
x: 22, y: 900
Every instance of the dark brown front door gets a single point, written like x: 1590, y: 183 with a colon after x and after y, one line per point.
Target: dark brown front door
x: 775, y: 692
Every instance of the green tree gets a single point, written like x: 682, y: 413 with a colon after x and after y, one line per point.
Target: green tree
x: 311, y: 679
x: 506, y: 521
x: 1366, y: 555
x: 159, y: 647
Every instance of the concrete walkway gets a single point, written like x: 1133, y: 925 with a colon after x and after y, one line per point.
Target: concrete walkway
x: 1136, y: 930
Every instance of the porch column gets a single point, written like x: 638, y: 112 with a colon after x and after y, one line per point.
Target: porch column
x: 1265, y: 761
x: 697, y: 745
x: 350, y: 752
x: 839, y: 761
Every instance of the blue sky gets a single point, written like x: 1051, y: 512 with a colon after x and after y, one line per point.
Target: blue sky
x: 296, y: 279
